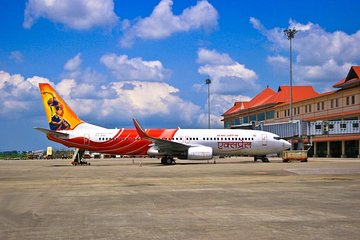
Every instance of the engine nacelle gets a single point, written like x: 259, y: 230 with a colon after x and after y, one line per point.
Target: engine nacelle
x: 153, y: 151
x: 199, y: 153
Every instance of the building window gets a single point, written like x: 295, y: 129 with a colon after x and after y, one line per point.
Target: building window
x: 343, y: 125
x: 350, y: 100
x: 270, y: 115
x: 332, y: 103
x: 322, y: 105
x: 246, y: 119
x: 306, y: 108
x: 261, y: 116
x: 238, y: 121
x: 253, y: 118
x: 336, y: 102
x: 277, y: 115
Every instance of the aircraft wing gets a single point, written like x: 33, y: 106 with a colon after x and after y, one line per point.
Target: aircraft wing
x: 162, y: 144
x: 53, y: 133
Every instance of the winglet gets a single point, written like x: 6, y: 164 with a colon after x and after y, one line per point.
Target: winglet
x: 140, y: 130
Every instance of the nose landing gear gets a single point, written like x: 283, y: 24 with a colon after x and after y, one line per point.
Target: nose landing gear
x: 262, y: 158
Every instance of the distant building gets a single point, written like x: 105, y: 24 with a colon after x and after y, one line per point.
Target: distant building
x: 341, y: 104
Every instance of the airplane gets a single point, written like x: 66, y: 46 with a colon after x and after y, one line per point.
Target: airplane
x: 192, y: 144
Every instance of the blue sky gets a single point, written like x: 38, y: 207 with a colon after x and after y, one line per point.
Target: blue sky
x: 114, y: 60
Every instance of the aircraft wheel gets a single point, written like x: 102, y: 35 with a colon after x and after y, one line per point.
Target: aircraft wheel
x: 169, y: 161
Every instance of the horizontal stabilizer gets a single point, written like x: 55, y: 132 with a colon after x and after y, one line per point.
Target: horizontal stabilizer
x: 53, y: 133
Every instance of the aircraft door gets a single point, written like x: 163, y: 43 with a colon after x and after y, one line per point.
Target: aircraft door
x: 264, y: 140
x: 87, y: 139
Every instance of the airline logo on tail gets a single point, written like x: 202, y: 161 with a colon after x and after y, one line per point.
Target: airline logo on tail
x: 58, y: 113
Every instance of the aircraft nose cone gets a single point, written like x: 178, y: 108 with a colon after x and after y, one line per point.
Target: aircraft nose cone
x: 286, y: 144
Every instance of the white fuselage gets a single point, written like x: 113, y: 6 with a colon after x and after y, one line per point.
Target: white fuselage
x: 222, y: 141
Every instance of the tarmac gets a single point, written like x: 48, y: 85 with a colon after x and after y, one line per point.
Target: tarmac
x: 142, y: 199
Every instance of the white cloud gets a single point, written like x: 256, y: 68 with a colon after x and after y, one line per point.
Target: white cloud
x: 76, y: 14
x: 128, y: 99
x: 124, y: 68
x: 321, y: 76
x: 257, y: 24
x: 74, y: 63
x: 320, y: 57
x: 213, y: 57
x: 18, y: 95
x: 227, y: 75
x: 162, y: 22
x: 114, y: 103
x: 219, y: 104
x: 277, y: 59
x: 74, y: 70
x: 17, y: 56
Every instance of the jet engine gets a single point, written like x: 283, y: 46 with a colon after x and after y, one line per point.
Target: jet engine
x: 198, y: 153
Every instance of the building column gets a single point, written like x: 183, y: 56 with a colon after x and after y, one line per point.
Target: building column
x: 343, y: 155
x: 328, y: 153
x: 315, y: 149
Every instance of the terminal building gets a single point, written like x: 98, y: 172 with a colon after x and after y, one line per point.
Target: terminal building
x: 326, y: 123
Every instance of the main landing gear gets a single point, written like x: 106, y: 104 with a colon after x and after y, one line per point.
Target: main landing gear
x: 77, y: 158
x: 168, y: 160
x: 262, y: 158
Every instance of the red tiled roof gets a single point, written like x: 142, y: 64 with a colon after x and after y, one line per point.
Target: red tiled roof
x: 352, y: 76
x: 237, y: 106
x: 234, y: 108
x: 298, y: 93
x: 269, y: 96
x: 262, y: 97
x: 256, y: 101
x: 356, y: 70
x: 339, y: 82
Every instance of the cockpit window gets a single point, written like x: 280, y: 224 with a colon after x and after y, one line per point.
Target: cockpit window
x: 277, y: 138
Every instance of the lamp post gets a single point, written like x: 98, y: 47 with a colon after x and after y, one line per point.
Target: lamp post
x: 290, y: 34
x: 208, y: 82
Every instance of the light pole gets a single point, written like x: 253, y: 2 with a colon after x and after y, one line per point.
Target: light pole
x: 290, y: 34
x: 208, y: 82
